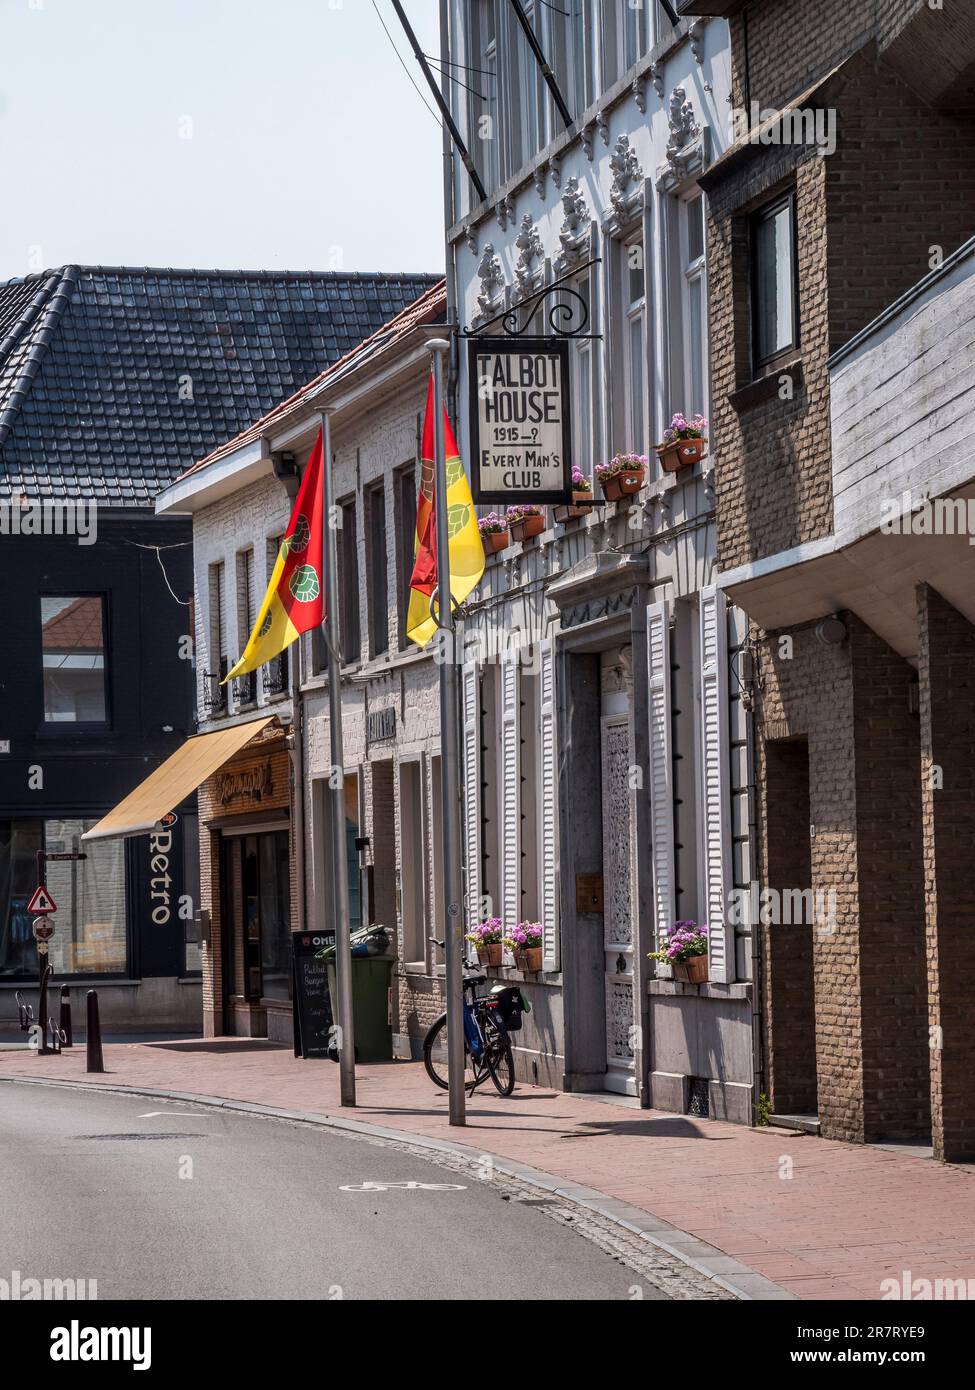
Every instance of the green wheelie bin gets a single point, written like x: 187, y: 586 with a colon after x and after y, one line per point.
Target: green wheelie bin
x: 371, y: 980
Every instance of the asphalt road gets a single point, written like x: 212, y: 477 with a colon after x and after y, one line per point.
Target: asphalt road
x: 91, y: 1187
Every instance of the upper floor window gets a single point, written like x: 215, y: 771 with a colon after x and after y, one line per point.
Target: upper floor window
x: 633, y: 280
x: 245, y: 686
x: 215, y: 694
x: 406, y: 532
x: 350, y: 634
x: 526, y: 131
x: 378, y: 578
x: 581, y: 370
x: 692, y: 372
x: 73, y: 659
x: 484, y: 93
x: 775, y: 326
x: 635, y: 30
x: 276, y: 675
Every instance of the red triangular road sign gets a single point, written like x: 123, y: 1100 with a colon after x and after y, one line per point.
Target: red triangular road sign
x: 41, y: 902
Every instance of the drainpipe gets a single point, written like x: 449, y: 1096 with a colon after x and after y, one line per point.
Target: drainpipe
x: 285, y: 470
x: 449, y: 215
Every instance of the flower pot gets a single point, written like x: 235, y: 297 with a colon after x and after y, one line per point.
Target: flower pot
x: 622, y: 484
x: 490, y: 955
x: 525, y: 529
x: 495, y: 540
x: 680, y: 454
x: 530, y: 959
x: 581, y: 505
x: 693, y: 971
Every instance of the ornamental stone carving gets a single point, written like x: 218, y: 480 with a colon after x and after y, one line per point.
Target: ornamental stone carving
x: 626, y: 191
x: 574, y: 232
x: 491, y: 274
x: 687, y: 146
x: 530, y: 250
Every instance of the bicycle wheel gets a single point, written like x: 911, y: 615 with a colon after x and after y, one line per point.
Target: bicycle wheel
x: 435, y: 1057
x: 500, y: 1062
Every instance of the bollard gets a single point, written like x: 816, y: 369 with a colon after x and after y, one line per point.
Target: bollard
x: 65, y: 1017
x: 94, y: 1038
x: 43, y: 1050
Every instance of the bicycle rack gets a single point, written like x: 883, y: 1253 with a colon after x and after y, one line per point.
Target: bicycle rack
x: 25, y: 1012
x: 58, y: 1036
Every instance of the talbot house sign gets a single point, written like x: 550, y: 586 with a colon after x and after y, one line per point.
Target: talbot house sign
x: 519, y: 413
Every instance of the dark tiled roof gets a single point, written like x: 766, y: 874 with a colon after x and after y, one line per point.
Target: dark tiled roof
x: 114, y: 381
x: 429, y: 307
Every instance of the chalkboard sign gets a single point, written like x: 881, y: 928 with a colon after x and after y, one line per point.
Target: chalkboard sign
x: 312, y: 1003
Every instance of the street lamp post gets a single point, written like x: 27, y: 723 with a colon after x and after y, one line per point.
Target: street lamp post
x: 453, y: 923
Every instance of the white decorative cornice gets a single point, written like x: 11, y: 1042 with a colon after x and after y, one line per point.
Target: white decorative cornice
x: 586, y: 134
x: 602, y: 125
x: 470, y: 236
x: 656, y: 74
x: 696, y: 35
x: 639, y: 89
x: 687, y: 147
x: 540, y: 177
x: 555, y: 169
x: 530, y: 250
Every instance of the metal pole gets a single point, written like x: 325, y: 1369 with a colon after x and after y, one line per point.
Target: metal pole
x: 438, y: 97
x: 336, y: 857
x: 453, y: 923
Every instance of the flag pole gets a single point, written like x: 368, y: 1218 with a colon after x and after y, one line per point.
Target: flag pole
x: 453, y: 923
x: 336, y: 858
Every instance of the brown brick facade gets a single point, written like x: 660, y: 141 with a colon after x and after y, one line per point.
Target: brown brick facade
x: 947, y: 689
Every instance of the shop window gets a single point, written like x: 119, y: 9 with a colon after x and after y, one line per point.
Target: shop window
x: 90, y: 935
x: 274, y: 911
x: 19, y: 842
x: 775, y: 327
x: 378, y: 586
x: 73, y: 657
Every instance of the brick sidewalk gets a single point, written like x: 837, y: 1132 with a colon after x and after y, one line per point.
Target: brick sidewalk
x: 847, y: 1218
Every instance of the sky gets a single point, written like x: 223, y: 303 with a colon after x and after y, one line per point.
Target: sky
x: 240, y: 134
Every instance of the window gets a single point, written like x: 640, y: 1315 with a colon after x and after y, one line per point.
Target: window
x: 378, y: 586
x: 90, y: 935
x: 276, y: 675
x: 634, y: 26
x: 245, y: 686
x: 73, y: 659
x: 692, y: 372
x: 348, y: 567
x: 484, y: 97
x: 412, y: 861
x: 406, y: 530
x: 581, y: 379
x: 581, y: 55
x: 634, y: 347
x: 525, y: 131
x: 774, y: 316
x: 215, y: 694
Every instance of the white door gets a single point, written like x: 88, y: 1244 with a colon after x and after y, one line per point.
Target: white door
x: 619, y: 900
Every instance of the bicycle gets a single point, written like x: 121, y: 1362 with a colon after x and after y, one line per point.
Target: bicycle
x: 487, y: 1048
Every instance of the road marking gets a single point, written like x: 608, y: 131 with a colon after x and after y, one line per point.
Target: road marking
x: 178, y: 1114
x: 406, y: 1186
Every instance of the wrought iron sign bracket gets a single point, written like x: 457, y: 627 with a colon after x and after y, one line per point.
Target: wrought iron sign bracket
x: 560, y: 315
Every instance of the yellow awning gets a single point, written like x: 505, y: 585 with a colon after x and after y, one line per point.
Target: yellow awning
x: 164, y: 789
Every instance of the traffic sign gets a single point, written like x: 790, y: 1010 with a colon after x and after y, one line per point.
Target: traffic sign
x: 43, y: 931
x: 41, y: 902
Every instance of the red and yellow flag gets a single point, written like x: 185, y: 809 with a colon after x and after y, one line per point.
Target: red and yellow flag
x: 466, y: 549
x: 293, y: 603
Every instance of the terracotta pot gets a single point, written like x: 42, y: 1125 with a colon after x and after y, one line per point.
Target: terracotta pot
x: 622, y: 484
x: 530, y: 959
x: 495, y: 541
x: 693, y: 971
x: 490, y: 955
x: 524, y: 530
x: 680, y: 454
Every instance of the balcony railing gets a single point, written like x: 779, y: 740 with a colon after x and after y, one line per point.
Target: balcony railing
x: 214, y: 694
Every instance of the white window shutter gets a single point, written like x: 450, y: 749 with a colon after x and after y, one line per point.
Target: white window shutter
x: 510, y: 792
x: 471, y: 757
x: 548, y: 806
x: 714, y: 789
x: 661, y: 770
